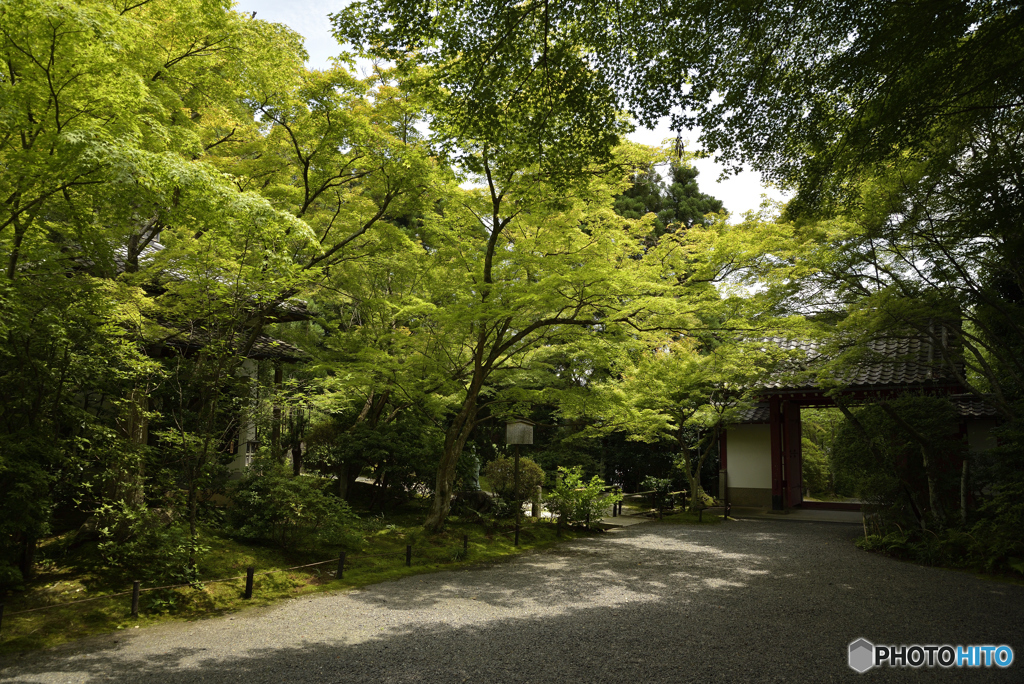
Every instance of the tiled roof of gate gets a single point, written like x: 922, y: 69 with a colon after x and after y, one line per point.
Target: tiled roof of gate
x: 900, y: 361
x: 967, y: 406
x: 757, y: 414
x: 970, y: 406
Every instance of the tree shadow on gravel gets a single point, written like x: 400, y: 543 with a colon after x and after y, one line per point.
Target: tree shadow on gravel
x: 753, y: 603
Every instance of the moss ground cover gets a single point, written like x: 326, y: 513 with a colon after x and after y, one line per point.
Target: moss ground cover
x: 375, y: 553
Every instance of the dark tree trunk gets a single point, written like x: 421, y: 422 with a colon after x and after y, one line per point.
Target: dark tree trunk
x: 454, y: 441
x: 296, y: 457
x: 27, y: 563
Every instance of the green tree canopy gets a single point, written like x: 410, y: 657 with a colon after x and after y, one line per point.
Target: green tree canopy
x: 809, y: 92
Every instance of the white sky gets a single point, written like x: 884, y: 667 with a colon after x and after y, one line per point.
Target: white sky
x: 740, y: 193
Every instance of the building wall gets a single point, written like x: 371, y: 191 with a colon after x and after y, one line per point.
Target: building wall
x: 979, y: 435
x: 749, y: 464
x: 247, y: 431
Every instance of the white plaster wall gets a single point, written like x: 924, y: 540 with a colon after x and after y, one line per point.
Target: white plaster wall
x: 749, y: 456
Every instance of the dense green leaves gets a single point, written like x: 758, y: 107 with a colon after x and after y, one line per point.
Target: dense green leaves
x: 293, y: 512
x: 809, y: 91
x: 516, y: 77
x: 577, y: 500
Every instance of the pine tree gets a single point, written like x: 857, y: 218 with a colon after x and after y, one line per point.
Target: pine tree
x: 645, y: 196
x: 679, y: 204
x: 683, y: 202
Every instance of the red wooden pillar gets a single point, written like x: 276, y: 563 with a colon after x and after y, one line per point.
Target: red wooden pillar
x: 775, y: 435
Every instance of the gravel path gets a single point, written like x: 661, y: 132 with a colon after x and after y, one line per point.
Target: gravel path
x: 749, y: 601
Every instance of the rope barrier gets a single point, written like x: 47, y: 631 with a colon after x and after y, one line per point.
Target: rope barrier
x: 70, y: 603
x: 192, y: 584
x: 406, y: 555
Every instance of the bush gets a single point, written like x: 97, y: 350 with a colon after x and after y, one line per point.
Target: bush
x: 1000, y: 543
x: 993, y: 543
x: 148, y: 543
x: 291, y: 511
x: 576, y: 500
x: 503, y: 508
x: 660, y: 498
x: 501, y: 474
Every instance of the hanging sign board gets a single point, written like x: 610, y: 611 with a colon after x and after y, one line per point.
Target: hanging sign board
x: 519, y: 432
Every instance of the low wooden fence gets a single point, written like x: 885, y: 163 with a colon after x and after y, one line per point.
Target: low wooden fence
x: 250, y: 573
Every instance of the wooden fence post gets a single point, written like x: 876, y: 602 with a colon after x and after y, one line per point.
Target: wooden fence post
x: 341, y: 567
x: 465, y: 543
x: 408, y: 556
x: 249, y: 572
x: 135, y: 598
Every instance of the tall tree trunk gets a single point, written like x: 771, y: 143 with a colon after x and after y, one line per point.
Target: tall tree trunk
x: 296, y: 457
x: 454, y: 440
x: 913, y: 506
x: 693, y: 469
x: 692, y: 482
x: 20, y: 228
x: 134, y: 427
x: 296, y: 430
x: 347, y: 473
x: 27, y: 563
x: 933, y: 488
x: 342, y: 474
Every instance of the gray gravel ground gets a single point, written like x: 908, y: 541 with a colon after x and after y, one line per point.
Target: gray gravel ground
x: 746, y: 601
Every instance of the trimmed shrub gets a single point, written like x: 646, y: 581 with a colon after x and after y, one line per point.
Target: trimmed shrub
x: 501, y: 474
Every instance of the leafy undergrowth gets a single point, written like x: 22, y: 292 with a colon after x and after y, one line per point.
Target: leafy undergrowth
x: 377, y: 554
x: 951, y: 548
x: 679, y: 517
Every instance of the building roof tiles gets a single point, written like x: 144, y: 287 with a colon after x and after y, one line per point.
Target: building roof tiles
x: 967, y: 406
x: 902, y: 361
